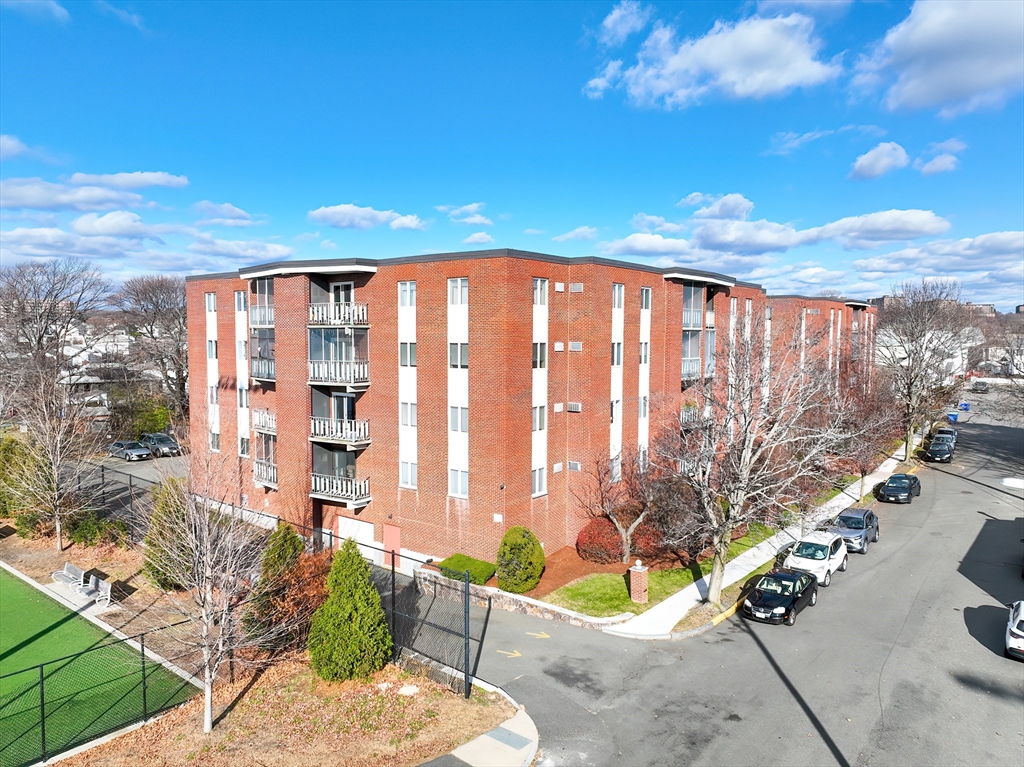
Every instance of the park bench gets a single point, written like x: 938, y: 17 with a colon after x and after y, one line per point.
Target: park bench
x: 71, y: 575
x: 97, y: 590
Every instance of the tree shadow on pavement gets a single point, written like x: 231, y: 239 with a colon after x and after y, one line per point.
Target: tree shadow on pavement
x: 993, y: 562
x: 987, y: 624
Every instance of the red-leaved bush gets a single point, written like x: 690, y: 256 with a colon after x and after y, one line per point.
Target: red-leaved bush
x: 600, y: 542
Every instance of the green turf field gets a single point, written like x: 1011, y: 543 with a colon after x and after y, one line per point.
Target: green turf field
x: 84, y: 696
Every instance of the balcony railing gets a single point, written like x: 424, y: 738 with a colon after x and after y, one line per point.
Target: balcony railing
x: 709, y: 318
x: 689, y: 414
x: 337, y: 430
x: 337, y: 314
x: 265, y: 473
x: 265, y: 421
x: 261, y: 315
x: 692, y: 318
x: 262, y: 368
x: 339, y: 371
x: 691, y: 368
x: 343, y: 488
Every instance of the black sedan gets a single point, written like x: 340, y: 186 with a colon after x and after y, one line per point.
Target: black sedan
x: 779, y: 595
x: 900, y: 488
x: 940, y: 452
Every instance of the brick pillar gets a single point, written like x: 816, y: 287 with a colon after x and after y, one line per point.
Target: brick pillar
x: 638, y: 583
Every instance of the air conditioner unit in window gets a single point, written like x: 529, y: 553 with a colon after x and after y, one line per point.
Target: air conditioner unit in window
x: 575, y: 287
x: 575, y: 346
x: 574, y: 407
x: 575, y: 466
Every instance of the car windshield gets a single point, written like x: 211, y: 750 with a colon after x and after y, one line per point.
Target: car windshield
x: 132, y: 446
x: 1020, y: 626
x: 897, y: 483
x: 163, y: 440
x: 851, y: 523
x: 773, y: 585
x: 808, y: 550
x: 941, y: 447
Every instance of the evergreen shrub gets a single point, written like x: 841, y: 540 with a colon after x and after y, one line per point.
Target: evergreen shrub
x: 455, y: 566
x: 520, y: 561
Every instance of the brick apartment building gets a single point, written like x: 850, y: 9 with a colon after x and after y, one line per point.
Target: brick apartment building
x: 429, y: 403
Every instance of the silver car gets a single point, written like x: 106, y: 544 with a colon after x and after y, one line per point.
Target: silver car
x: 130, y: 451
x: 857, y: 527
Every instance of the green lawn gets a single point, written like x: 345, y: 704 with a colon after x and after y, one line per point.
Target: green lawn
x: 605, y: 594
x: 86, y: 695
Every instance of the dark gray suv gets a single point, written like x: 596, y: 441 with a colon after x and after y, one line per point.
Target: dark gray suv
x: 160, y: 444
x: 857, y: 527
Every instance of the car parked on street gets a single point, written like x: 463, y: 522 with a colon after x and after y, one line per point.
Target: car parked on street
x: 900, y: 488
x: 857, y: 527
x: 820, y: 553
x: 779, y: 595
x: 944, y: 439
x: 979, y: 387
x: 130, y: 451
x: 950, y: 431
x: 1015, y: 631
x: 939, y: 452
x: 161, y: 444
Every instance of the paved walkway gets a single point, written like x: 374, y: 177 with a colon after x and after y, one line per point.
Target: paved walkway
x: 658, y: 622
x: 511, y: 744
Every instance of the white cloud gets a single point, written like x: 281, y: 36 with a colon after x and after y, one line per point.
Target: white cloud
x: 824, y: 7
x: 51, y: 242
x: 693, y: 199
x: 306, y: 236
x: 939, y: 164
x: 11, y: 146
x: 118, y: 223
x: 478, y: 238
x: 466, y: 214
x: 945, y: 158
x: 36, y: 194
x: 750, y: 237
x: 997, y: 250
x: 244, y: 249
x: 646, y: 244
x: 731, y: 206
x: 952, y: 145
x: 645, y: 223
x: 873, y: 229
x: 608, y: 78
x: 533, y: 231
x: 328, y: 245
x: 788, y: 142
x: 579, y: 233
x: 880, y: 160
x: 131, y: 19
x: 959, y: 56
x: 348, y: 216
x: 136, y: 180
x: 49, y: 10
x: 222, y: 214
x: 752, y: 58
x: 625, y: 18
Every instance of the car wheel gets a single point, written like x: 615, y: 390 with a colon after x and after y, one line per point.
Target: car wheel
x: 864, y: 548
x: 827, y: 580
x: 814, y: 598
x: 127, y: 458
x: 842, y: 567
x: 791, y: 618
x: 878, y: 532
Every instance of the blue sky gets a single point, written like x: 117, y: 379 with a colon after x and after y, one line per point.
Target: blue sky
x: 806, y: 146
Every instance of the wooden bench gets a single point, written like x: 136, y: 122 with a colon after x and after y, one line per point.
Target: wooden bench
x: 71, y: 575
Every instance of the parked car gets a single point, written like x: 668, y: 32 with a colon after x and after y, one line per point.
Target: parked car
x: 940, y: 452
x: 130, y: 451
x: 944, y: 439
x: 1015, y: 631
x: 979, y: 387
x: 819, y: 553
x: 950, y: 431
x: 900, y: 488
x: 779, y: 595
x: 161, y: 444
x: 858, y: 528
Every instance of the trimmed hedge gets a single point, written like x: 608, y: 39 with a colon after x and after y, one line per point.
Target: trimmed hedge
x: 455, y: 566
x: 520, y: 561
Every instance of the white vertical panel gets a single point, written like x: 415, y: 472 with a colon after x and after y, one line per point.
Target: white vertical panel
x: 539, y: 397
x: 644, y: 382
x: 615, y: 430
x: 458, y: 384
x: 212, y: 367
x: 241, y: 367
x: 407, y: 435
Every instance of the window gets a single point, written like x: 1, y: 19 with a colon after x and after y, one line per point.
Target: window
x: 574, y: 407
x: 645, y: 298
x: 263, y: 287
x: 643, y: 406
x: 645, y: 349
x: 614, y: 409
x: 615, y: 468
x: 575, y: 466
x: 211, y: 302
x: 407, y: 294
x: 408, y: 413
x: 540, y: 356
x: 618, y: 295
x: 458, y: 355
x: 458, y: 291
x: 691, y: 344
x: 243, y: 349
x: 407, y: 354
x: 266, y: 448
x: 538, y: 485
x: 408, y: 477
x: 243, y: 447
x: 750, y: 305
x: 559, y: 346
x: 243, y: 397
x: 213, y: 395
x: 240, y: 301
x: 458, y: 483
x: 540, y: 291
x: 211, y: 350
x: 575, y: 346
x: 617, y: 354
x: 459, y: 418
x: 539, y: 418
x: 559, y: 287
x: 732, y: 306
x: 215, y: 441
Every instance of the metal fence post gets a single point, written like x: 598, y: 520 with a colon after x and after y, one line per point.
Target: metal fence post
x: 142, y: 652
x: 42, y: 713
x: 466, y: 610
x: 394, y: 645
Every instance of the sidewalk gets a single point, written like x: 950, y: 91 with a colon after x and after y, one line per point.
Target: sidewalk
x: 658, y: 622
x: 511, y: 744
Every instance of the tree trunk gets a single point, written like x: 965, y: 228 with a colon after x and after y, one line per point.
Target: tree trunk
x: 60, y: 544
x: 863, y: 475
x: 909, y: 448
x: 207, y: 698
x: 721, y: 543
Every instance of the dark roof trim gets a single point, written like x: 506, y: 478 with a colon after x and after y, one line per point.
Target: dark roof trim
x: 214, y: 276
x: 833, y: 299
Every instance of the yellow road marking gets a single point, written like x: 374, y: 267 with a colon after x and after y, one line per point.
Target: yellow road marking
x: 541, y: 635
x: 513, y: 654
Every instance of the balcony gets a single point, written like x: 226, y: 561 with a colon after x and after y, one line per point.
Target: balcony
x: 709, y: 318
x: 264, y: 473
x: 352, y: 434
x: 337, y: 314
x: 691, y: 369
x: 354, y: 493
x: 692, y: 318
x: 262, y: 368
x: 353, y: 375
x: 265, y: 421
x: 261, y: 316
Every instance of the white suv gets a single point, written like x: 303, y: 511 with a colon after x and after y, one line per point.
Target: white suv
x: 820, y: 554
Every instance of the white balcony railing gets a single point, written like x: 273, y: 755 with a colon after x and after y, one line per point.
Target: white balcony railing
x: 261, y: 367
x: 709, y: 318
x: 337, y: 430
x: 345, y: 488
x: 692, y: 318
x: 265, y: 473
x: 689, y: 414
x: 339, y: 371
x: 265, y: 421
x: 261, y: 315
x: 337, y: 314
x: 691, y: 368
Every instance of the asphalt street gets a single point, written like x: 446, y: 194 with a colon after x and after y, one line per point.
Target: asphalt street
x: 153, y: 470
x: 900, y: 662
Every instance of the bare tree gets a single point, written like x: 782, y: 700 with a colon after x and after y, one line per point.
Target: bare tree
x: 622, y: 489
x: 759, y: 438
x: 922, y: 335
x: 877, y: 409
x: 155, y: 312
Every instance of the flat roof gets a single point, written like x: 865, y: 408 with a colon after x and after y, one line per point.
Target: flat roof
x: 834, y: 299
